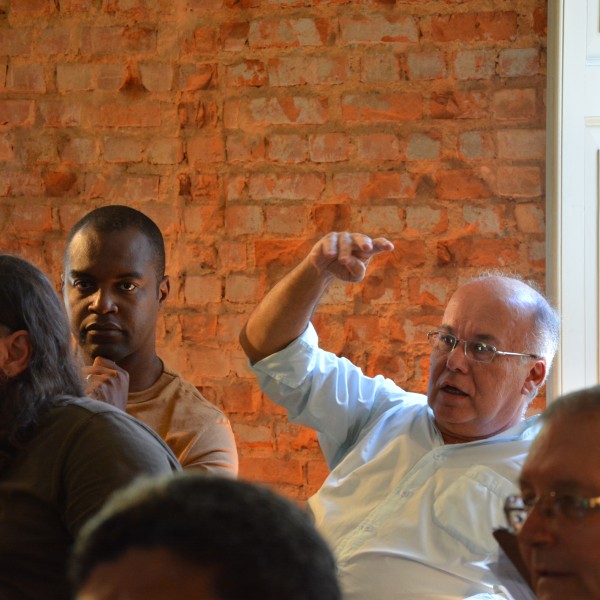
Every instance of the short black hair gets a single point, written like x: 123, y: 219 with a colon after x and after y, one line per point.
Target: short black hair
x: 117, y: 217
x: 259, y: 545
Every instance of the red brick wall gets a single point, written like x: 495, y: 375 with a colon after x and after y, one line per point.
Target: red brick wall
x: 246, y: 129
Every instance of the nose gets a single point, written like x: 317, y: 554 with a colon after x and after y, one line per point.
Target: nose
x: 102, y: 302
x: 457, y: 358
x: 537, y: 528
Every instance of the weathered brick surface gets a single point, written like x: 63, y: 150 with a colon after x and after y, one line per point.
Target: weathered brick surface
x: 247, y: 129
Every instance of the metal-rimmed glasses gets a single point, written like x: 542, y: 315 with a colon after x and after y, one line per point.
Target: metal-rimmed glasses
x: 551, y: 505
x: 477, y: 351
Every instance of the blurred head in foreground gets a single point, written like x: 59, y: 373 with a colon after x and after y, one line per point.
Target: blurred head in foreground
x: 204, y: 537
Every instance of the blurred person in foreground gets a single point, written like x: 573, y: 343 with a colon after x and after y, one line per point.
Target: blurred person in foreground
x: 557, y: 514
x: 61, y: 454
x: 114, y: 286
x: 417, y: 483
x: 202, y: 537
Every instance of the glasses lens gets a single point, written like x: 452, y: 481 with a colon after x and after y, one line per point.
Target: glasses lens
x: 516, y: 513
x: 442, y: 342
x: 480, y: 352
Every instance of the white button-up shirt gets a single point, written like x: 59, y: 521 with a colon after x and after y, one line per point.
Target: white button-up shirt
x: 406, y: 515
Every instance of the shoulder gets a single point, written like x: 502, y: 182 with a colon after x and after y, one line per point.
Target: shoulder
x: 189, y: 393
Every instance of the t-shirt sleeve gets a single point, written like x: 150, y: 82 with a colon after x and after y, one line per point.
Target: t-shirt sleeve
x: 213, y: 450
x: 108, y: 451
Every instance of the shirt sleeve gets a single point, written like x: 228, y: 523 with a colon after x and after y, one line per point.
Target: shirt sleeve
x: 327, y: 393
x: 214, y: 451
x: 106, y: 452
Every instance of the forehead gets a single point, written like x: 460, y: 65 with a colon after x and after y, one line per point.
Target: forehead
x: 487, y: 308
x: 566, y: 450
x: 111, y: 252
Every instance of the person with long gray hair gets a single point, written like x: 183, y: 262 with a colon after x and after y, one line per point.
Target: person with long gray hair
x: 61, y: 454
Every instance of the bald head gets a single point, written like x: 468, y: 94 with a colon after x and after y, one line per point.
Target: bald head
x: 525, y: 306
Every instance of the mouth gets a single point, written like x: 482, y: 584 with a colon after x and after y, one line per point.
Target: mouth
x: 102, y: 329
x: 453, y: 391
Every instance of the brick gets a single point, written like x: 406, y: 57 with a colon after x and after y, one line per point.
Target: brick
x: 241, y: 288
x: 373, y: 186
x: 281, y: 111
x: 125, y: 114
x: 202, y: 289
x: 286, y: 220
x: 156, y: 76
x: 234, y: 36
x: 269, y: 470
x: 423, y: 147
x: 329, y: 147
x: 244, y: 219
x: 255, y: 436
x: 519, y: 182
x: 425, y: 66
x: 15, y: 42
x: 53, y: 41
x: 233, y: 256
x: 118, y: 41
x: 312, y: 70
x: 480, y: 253
x: 202, y: 149
x: 7, y: 148
x: 247, y: 73
x: 519, y: 62
x: 540, y: 21
x: 203, y: 218
x: 74, y: 77
x: 377, y: 108
x: 522, y: 144
x: 476, y: 145
x: 121, y: 149
x: 428, y: 292
x: 514, y: 104
x: 472, y: 27
x: 164, y: 151
x: 378, y: 28
x: 209, y: 363
x: 16, y: 113
x: 197, y: 328
x: 240, y: 147
x: 288, y: 33
x: 475, y: 64
x: 460, y: 185
x: 287, y: 148
x: 425, y: 220
x: 197, y: 77
x: 331, y: 217
x: 60, y: 113
x: 15, y: 183
x: 459, y: 105
x: 60, y: 183
x: 28, y: 9
x: 111, y: 77
x: 381, y: 218
x: 25, y: 78
x: 79, y: 150
x: 378, y: 67
x: 378, y: 146
x: 482, y: 219
x: 292, y: 186
x: 241, y: 398
x: 530, y: 218
x: 31, y: 217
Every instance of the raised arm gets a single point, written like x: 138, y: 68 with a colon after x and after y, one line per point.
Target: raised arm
x: 285, y: 311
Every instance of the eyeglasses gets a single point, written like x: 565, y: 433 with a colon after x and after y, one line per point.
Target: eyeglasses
x: 478, y: 351
x: 552, y: 505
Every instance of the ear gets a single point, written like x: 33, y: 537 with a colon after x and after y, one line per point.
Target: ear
x: 535, y: 377
x: 18, y: 352
x: 164, y: 287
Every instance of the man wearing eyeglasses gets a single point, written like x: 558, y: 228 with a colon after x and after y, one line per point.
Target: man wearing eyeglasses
x: 417, y: 484
x: 557, y: 514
